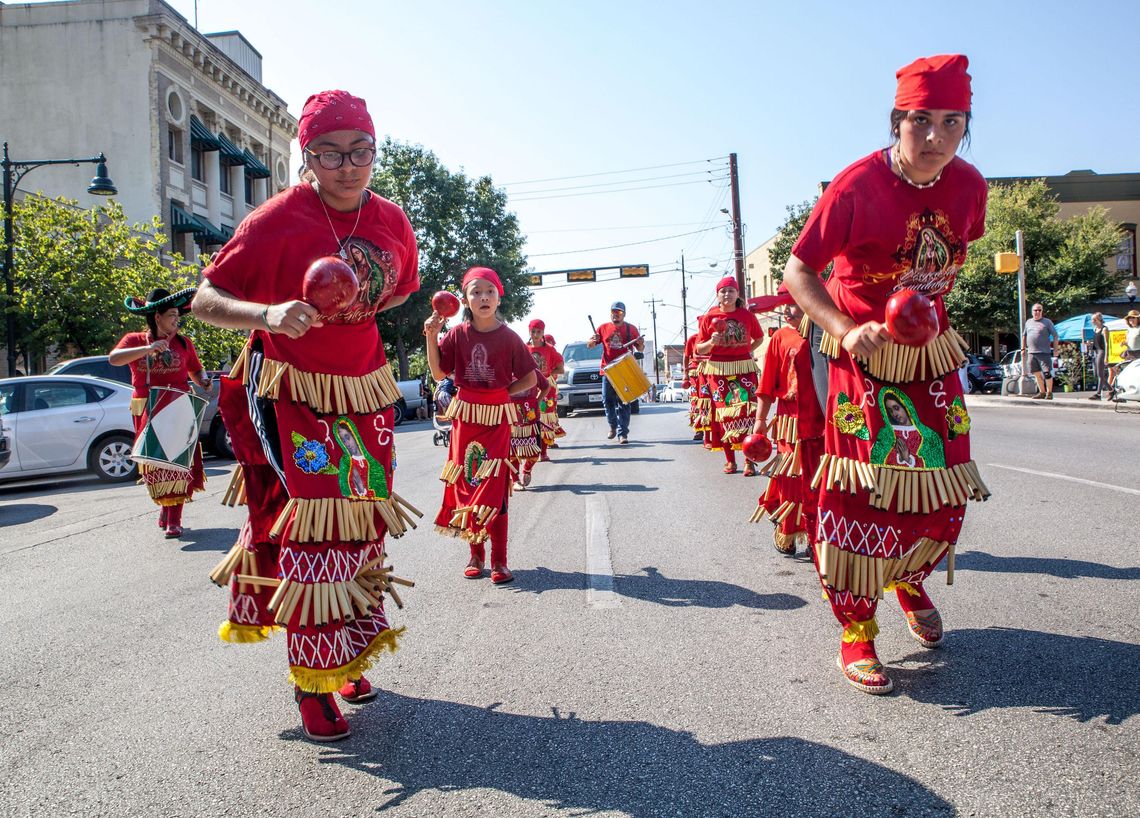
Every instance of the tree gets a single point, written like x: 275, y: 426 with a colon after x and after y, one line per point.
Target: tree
x: 459, y: 223
x: 781, y: 249
x: 73, y: 267
x: 1065, y: 260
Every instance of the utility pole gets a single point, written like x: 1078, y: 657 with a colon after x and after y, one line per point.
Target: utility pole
x: 684, y: 310
x: 653, y: 302
x: 737, y: 237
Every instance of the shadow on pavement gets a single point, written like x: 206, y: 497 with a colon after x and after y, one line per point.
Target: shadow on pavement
x: 590, y: 488
x: 597, y: 461
x: 653, y: 586
x: 630, y: 767
x: 1079, y: 677
x: 207, y: 539
x: 21, y: 513
x: 1064, y: 569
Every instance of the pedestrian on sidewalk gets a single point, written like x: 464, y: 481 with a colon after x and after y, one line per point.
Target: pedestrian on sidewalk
x: 1039, y: 339
x: 491, y: 365
x: 1099, y: 347
x: 616, y: 336
x: 900, y: 218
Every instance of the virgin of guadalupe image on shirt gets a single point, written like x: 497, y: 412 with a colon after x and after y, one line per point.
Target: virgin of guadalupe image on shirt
x: 361, y: 475
x: 903, y: 439
x: 734, y: 333
x: 374, y: 271
x: 479, y: 370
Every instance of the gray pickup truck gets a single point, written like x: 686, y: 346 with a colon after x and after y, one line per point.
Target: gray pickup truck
x: 580, y: 387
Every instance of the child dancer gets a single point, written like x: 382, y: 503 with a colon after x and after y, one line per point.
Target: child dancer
x: 491, y: 364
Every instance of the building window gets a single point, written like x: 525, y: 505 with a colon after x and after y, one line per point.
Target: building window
x: 224, y: 180
x: 1126, y: 252
x: 248, y: 189
x: 174, y: 145
x: 197, y: 163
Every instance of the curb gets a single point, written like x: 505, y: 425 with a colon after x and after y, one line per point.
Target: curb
x: 1066, y: 403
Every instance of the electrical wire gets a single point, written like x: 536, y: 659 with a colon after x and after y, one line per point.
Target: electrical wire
x: 613, y: 172
x: 618, y: 190
x: 621, y: 182
x: 612, y: 246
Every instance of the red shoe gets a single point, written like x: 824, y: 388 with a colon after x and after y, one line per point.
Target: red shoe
x: 358, y: 691
x: 162, y: 515
x: 749, y: 469
x: 173, y: 532
x: 320, y: 718
x: 474, y: 570
x: 862, y: 668
x: 923, y: 621
x: 730, y: 468
x: 501, y: 575
x: 543, y: 458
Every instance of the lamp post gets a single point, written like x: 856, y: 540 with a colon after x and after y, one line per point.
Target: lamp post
x: 14, y: 171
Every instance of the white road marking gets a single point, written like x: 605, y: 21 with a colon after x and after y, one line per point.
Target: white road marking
x: 599, y: 567
x: 1109, y: 486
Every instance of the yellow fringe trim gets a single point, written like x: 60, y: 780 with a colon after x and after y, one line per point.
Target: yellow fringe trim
x: 312, y: 520
x: 482, y: 413
x: 323, y: 602
x: 464, y: 517
x: 913, y: 491
x: 724, y: 368
x: 898, y: 585
x: 869, y: 576
x: 899, y: 363
x: 235, y: 491
x: 138, y: 406
x: 451, y: 472
x: 326, y: 393
x: 804, y: 328
x: 786, y: 464
x: 313, y: 680
x: 244, y: 634
x: 495, y: 466
x: 785, y: 428
x: 864, y: 631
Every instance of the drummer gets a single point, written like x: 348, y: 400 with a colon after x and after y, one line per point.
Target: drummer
x: 616, y: 336
x: 162, y: 357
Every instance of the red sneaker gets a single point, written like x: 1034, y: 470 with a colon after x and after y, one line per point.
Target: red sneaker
x: 320, y: 718
x: 358, y: 691
x: 501, y: 575
x: 862, y: 668
x: 173, y: 532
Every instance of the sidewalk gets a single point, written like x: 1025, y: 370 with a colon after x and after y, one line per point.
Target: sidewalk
x: 1069, y: 400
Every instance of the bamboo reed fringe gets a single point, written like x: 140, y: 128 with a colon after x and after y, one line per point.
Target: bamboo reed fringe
x: 905, y: 490
x: 235, y: 491
x: 451, y: 472
x: 725, y: 368
x: 482, y: 413
x: 313, y: 520
x: 222, y: 572
x: 867, y: 576
x: 323, y: 392
x: 898, y: 363
x: 804, y: 327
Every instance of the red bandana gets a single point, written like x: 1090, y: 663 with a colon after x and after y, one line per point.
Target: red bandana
x: 724, y: 283
x: 485, y: 273
x: 939, y: 82
x: 537, y: 322
x: 331, y: 111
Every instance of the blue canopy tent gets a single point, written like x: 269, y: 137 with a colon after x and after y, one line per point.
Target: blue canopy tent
x: 1079, y: 327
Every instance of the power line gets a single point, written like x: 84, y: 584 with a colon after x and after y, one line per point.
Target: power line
x: 620, y: 182
x: 618, y: 190
x: 626, y: 244
x: 613, y: 172
x: 626, y: 227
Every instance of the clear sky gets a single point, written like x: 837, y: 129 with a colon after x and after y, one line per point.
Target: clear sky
x: 531, y: 89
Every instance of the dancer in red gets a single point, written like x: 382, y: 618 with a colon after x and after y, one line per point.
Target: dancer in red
x: 727, y: 335
x: 308, y: 408
x: 797, y: 430
x: 162, y: 357
x: 552, y: 396
x: 550, y: 366
x: 896, y: 473
x: 491, y: 364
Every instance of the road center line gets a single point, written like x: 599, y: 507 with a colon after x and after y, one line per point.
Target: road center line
x: 599, y: 567
x: 1109, y: 486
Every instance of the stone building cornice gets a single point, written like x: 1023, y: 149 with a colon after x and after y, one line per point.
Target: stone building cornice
x: 180, y: 38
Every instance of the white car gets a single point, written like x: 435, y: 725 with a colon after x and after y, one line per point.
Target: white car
x: 673, y: 392
x: 59, y: 423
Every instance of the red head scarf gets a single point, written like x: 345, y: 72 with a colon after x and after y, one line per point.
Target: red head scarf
x: 727, y: 281
x: 939, y: 82
x: 485, y: 273
x: 331, y: 111
x: 549, y: 339
x: 536, y: 323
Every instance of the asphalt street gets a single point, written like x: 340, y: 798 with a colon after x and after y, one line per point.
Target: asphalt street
x: 655, y: 656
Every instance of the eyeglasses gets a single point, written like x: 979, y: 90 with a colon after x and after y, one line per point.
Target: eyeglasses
x: 331, y: 160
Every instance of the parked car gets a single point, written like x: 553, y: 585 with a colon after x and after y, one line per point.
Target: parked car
x: 414, y: 396
x: 1011, y: 374
x: 213, y: 432
x: 580, y: 386
x: 673, y: 392
x: 983, y: 373
x: 5, y: 446
x: 63, y: 423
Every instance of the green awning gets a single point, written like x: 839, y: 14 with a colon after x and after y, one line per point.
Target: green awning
x: 208, y: 234
x: 182, y: 221
x: 231, y: 153
x: 200, y: 135
x: 254, y: 168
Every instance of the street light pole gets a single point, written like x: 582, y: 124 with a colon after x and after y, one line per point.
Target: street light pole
x: 737, y: 233
x: 1023, y: 379
x: 684, y: 308
x: 14, y: 171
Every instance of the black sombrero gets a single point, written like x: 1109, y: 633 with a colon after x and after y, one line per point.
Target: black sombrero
x: 160, y: 300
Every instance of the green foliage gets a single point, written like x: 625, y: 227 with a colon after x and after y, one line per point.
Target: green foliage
x: 459, y: 223
x: 73, y: 268
x: 1065, y: 260
x: 781, y: 250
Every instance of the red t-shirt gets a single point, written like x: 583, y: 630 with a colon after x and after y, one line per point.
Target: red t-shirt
x: 170, y: 368
x: 484, y: 360
x: 742, y: 330
x: 546, y: 359
x: 613, y: 338
x: 884, y: 234
x: 786, y: 377
x: 265, y: 262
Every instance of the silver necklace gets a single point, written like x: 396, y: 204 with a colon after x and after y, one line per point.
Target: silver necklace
x: 896, y: 160
x: 340, y: 250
